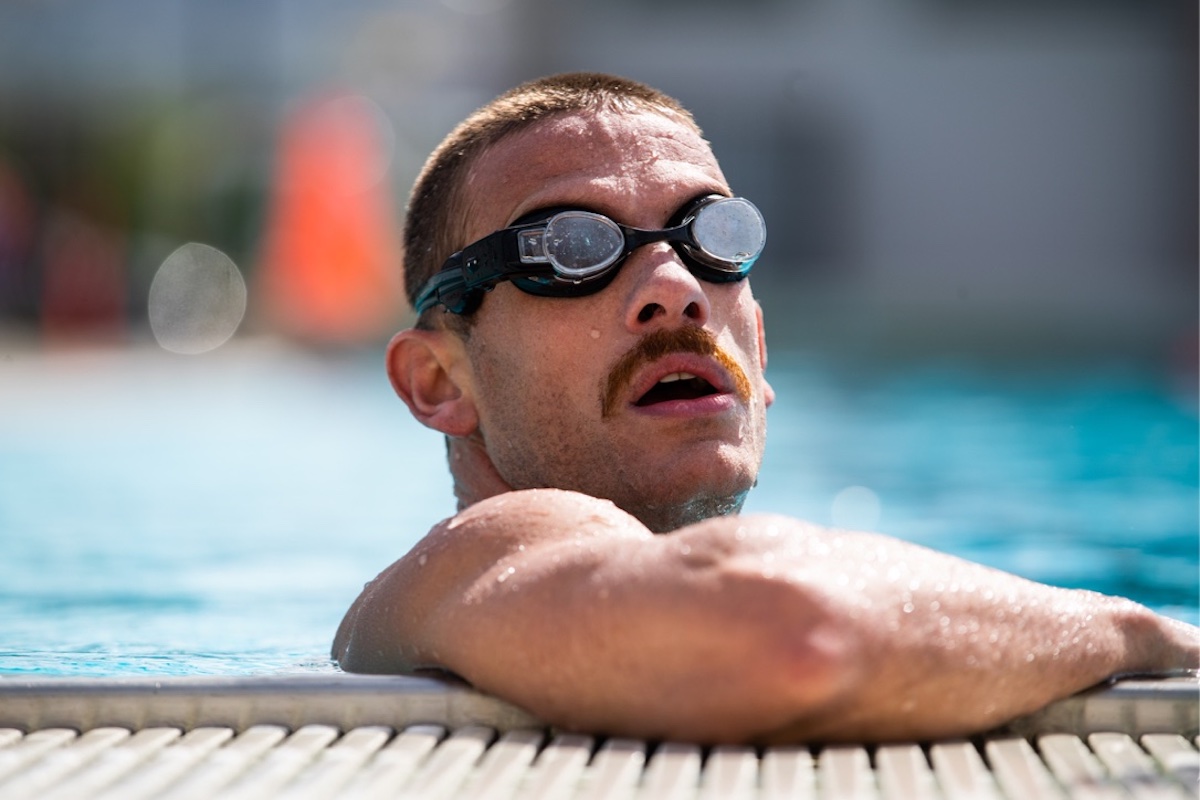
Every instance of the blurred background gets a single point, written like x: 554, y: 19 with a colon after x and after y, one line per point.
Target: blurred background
x: 980, y: 288
x: 972, y: 176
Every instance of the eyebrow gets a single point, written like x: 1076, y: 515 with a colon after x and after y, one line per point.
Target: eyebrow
x: 545, y: 212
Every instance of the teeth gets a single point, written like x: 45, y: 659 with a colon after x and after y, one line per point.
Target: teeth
x: 677, y: 376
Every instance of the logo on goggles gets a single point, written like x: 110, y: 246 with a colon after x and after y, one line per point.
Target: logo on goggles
x: 574, y: 253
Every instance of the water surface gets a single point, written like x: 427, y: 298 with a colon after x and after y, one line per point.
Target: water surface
x: 165, y: 514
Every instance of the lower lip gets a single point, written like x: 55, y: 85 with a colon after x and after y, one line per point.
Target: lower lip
x: 699, y: 406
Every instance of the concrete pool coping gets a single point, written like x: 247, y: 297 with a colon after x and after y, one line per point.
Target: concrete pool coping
x: 1134, y: 706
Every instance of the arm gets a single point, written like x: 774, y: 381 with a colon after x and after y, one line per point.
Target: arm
x: 736, y: 629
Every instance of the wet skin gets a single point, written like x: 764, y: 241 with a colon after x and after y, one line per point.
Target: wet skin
x: 725, y: 628
x: 538, y: 366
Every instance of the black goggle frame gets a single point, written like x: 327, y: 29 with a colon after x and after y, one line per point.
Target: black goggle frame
x: 476, y: 269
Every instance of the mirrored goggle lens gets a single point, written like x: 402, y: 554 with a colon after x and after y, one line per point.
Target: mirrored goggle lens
x: 730, y: 231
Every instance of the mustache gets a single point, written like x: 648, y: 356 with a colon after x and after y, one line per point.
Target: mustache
x: 660, y: 343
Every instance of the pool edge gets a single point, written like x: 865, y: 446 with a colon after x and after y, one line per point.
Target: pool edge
x: 1134, y: 707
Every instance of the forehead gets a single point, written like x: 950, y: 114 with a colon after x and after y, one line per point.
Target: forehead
x: 637, y: 167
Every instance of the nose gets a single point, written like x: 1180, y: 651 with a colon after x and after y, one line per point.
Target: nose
x: 665, y: 292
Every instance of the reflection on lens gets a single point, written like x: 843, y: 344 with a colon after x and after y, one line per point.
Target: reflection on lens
x: 580, y: 244
x: 731, y: 230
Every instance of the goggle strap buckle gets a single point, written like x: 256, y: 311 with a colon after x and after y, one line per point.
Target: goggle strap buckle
x: 483, y: 262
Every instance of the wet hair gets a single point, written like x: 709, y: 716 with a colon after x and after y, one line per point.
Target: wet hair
x: 435, y: 225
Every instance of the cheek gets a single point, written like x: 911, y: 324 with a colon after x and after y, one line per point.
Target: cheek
x: 552, y: 370
x: 743, y: 325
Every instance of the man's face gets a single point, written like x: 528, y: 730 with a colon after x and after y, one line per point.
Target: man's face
x: 670, y: 451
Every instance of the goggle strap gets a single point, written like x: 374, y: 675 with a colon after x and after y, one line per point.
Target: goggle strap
x: 443, y: 288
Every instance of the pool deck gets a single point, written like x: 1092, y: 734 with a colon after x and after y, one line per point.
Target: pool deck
x: 336, y: 735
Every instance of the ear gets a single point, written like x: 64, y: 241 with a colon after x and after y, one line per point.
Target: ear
x: 768, y: 392
x: 428, y: 370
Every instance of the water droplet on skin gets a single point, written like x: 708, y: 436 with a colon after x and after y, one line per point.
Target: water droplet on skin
x: 503, y: 576
x: 1030, y: 657
x: 422, y: 559
x: 595, y: 334
x: 908, y: 608
x: 935, y: 605
x: 685, y: 550
x: 740, y: 534
x: 521, y: 548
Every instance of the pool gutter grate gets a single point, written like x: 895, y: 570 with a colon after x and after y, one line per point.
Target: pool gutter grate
x: 362, y: 736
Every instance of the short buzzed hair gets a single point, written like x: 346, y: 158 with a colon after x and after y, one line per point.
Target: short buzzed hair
x: 435, y: 224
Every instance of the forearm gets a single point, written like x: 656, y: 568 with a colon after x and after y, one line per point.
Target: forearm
x: 954, y: 647
x: 738, y: 629
x: 670, y: 637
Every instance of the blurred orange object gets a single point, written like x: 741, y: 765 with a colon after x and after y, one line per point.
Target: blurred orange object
x: 330, y: 268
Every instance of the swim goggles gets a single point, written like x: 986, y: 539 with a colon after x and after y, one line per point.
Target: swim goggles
x: 571, y: 252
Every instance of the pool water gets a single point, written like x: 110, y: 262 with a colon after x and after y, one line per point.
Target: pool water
x: 163, y: 514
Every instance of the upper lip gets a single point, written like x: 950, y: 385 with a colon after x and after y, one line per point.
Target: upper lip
x: 704, y: 367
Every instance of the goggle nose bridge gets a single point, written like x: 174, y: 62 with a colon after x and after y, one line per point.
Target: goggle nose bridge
x: 636, y: 237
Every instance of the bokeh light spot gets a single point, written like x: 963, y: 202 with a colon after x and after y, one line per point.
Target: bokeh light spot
x: 197, y: 300
x: 856, y: 508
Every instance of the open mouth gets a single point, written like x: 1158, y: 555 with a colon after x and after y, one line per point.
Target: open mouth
x: 677, y: 386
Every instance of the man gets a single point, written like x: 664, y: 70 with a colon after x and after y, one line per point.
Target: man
x: 589, y: 344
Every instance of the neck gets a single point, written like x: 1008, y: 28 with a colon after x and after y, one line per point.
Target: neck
x: 476, y: 478
x: 667, y: 518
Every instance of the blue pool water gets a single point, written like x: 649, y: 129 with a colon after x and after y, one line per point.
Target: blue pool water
x: 216, y: 515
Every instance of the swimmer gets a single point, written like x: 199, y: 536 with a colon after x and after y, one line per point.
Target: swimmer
x: 588, y: 342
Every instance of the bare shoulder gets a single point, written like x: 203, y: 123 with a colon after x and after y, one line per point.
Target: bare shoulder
x: 392, y: 626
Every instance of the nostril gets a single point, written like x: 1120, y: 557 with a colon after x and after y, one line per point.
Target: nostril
x: 692, y: 311
x: 648, y: 312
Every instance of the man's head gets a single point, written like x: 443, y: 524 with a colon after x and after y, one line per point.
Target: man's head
x: 438, y: 206
x: 649, y: 392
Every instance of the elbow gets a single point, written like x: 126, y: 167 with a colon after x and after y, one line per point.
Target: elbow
x: 818, y: 665
x: 795, y: 661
